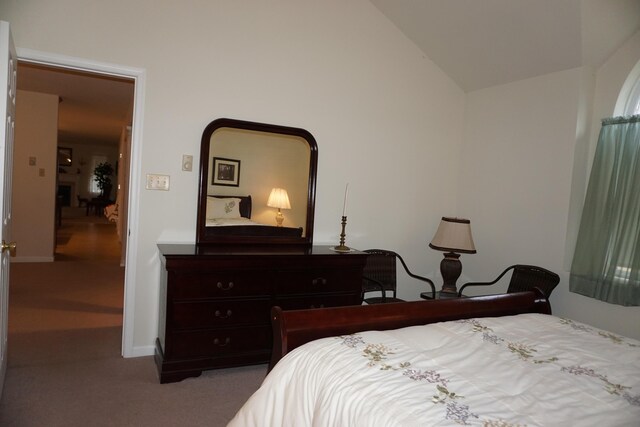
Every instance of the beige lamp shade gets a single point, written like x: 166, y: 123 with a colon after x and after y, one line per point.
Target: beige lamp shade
x: 279, y: 199
x: 453, y: 235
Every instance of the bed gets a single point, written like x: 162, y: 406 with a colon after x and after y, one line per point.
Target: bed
x: 232, y: 215
x: 491, y: 361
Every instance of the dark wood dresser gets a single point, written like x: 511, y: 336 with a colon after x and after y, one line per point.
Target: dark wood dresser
x: 215, y: 302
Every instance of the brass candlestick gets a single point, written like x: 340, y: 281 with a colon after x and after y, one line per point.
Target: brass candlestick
x: 342, y: 247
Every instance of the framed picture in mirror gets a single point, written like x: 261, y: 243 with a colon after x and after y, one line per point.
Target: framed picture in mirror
x: 226, y: 172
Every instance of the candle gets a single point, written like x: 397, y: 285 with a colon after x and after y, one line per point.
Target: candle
x: 344, y: 206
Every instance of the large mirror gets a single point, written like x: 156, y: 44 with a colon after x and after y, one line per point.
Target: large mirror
x: 257, y: 184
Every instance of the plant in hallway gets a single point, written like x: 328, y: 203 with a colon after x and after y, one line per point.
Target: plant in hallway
x: 102, y: 173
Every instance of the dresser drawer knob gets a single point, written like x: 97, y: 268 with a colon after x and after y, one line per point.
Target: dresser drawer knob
x: 217, y: 342
x: 220, y: 315
x: 225, y: 288
x: 319, y: 281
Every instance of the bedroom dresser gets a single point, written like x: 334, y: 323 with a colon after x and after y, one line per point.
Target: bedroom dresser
x: 215, y: 301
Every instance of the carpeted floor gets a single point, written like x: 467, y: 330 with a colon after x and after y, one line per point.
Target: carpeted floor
x: 65, y: 331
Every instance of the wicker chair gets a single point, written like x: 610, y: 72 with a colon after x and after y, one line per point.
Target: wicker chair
x: 524, y: 278
x: 380, y: 276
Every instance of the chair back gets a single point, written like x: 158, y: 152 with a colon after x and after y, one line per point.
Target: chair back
x: 381, y: 267
x: 527, y: 277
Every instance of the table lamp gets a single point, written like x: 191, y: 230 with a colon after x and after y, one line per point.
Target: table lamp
x: 279, y: 199
x: 452, y: 237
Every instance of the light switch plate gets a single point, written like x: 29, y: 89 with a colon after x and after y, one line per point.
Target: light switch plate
x: 187, y: 162
x: 157, y: 182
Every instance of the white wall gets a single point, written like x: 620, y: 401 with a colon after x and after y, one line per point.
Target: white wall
x: 386, y: 119
x: 523, y: 176
x: 33, y: 207
x: 516, y: 172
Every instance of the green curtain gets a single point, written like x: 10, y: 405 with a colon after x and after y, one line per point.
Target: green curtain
x: 606, y: 263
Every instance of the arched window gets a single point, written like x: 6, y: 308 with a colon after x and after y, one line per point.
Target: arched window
x: 628, y: 103
x: 633, y: 103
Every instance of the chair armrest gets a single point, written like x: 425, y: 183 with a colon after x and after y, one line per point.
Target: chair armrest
x: 474, y: 284
x: 378, y: 284
x: 428, y: 281
x: 415, y: 276
x: 506, y: 270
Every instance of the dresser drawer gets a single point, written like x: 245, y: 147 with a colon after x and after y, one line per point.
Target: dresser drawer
x: 317, y: 280
x: 207, y: 314
x: 217, y: 342
x: 217, y: 284
x: 318, y: 301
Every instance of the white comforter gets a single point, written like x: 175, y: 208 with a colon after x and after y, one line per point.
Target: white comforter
x: 531, y: 369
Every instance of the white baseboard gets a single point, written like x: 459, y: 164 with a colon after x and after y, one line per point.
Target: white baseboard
x: 142, y: 351
x: 32, y: 259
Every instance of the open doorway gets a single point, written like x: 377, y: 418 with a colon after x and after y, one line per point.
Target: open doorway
x: 94, y: 117
x: 80, y: 294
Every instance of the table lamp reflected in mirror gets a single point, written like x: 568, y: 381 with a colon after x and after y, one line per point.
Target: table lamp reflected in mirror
x: 279, y: 199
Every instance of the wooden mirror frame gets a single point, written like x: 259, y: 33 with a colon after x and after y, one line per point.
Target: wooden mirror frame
x: 216, y: 235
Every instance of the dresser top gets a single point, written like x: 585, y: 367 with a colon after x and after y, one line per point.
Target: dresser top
x: 178, y: 250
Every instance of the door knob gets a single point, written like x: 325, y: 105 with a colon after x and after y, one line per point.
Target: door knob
x: 11, y: 247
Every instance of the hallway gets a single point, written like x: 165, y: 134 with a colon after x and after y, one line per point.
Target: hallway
x: 82, y: 289
x: 86, y: 237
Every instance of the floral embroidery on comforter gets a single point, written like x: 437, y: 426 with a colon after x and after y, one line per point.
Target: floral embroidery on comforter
x: 527, y: 353
x: 526, y: 370
x: 377, y: 356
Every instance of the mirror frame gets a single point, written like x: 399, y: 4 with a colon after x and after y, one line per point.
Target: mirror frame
x: 207, y: 235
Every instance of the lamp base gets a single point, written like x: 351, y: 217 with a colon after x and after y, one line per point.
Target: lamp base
x: 450, y: 268
x: 279, y: 218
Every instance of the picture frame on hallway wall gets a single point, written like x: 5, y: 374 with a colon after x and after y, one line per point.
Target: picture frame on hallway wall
x: 65, y: 156
x: 226, y: 172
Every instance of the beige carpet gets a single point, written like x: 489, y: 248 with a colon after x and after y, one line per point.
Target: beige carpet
x: 65, y: 331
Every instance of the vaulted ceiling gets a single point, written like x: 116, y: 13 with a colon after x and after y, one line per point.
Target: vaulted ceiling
x: 483, y: 43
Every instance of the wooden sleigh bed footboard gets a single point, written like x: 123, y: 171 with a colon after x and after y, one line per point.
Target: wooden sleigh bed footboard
x: 292, y: 328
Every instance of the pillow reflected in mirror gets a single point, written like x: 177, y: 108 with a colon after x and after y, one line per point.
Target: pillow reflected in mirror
x: 223, y: 208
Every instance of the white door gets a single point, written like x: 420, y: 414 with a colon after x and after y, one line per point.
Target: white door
x: 8, y: 74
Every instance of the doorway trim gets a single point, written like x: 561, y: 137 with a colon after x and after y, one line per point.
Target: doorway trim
x: 138, y: 75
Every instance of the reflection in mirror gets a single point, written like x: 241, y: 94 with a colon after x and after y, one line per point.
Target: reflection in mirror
x: 268, y: 161
x: 247, y: 169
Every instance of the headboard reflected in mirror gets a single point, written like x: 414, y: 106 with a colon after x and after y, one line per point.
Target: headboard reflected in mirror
x: 241, y: 163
